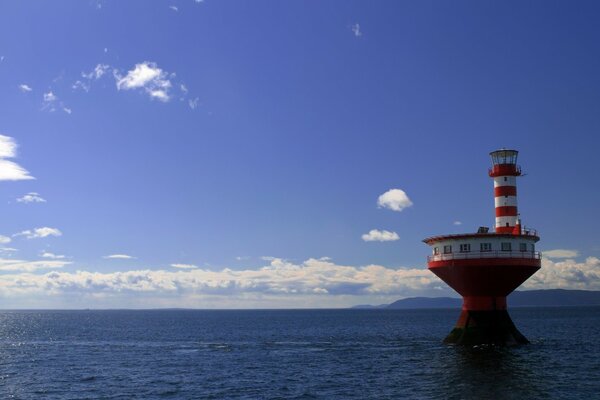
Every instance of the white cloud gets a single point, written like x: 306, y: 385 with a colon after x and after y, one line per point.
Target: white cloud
x: 457, y: 223
x: 50, y: 97
x: 31, y: 197
x: 174, y: 8
x: 193, y: 103
x: 566, y: 274
x: 97, y: 73
x: 375, y: 235
x: 280, y: 283
x: 119, y: 257
x: 356, y: 30
x: 10, y: 171
x: 312, y: 283
x: 85, y: 86
x: 88, y: 77
x: 394, y: 199
x: 29, y: 266
x: 51, y: 103
x: 25, y: 88
x: 8, y: 147
x: 147, y: 76
x: 560, y: 253
x: 47, y: 254
x: 5, y: 239
x: 39, y: 233
x: 184, y: 266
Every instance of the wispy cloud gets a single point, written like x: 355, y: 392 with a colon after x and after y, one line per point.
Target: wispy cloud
x: 9, y: 170
x: 51, y: 103
x: 147, y: 76
x: 375, y: 235
x: 457, y: 223
x: 193, y: 103
x: 394, y: 199
x: 560, y: 253
x: 88, y: 77
x: 119, y: 257
x: 98, y: 72
x: 31, y: 197
x: 184, y: 266
x: 50, y: 97
x: 47, y: 254
x: 174, y: 8
x: 30, y: 266
x: 5, y: 239
x: 356, y: 30
x: 25, y: 88
x: 39, y: 233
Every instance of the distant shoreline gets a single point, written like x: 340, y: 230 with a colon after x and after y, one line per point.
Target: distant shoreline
x: 525, y: 298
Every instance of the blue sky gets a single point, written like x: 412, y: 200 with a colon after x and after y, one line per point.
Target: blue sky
x: 251, y: 141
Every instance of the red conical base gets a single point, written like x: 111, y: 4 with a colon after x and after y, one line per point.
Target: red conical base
x: 484, y: 285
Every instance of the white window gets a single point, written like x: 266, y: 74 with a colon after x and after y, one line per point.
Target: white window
x: 465, y: 248
x: 485, y: 247
x: 447, y: 249
x: 505, y: 246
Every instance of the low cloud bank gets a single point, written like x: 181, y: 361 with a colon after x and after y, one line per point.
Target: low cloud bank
x: 312, y: 283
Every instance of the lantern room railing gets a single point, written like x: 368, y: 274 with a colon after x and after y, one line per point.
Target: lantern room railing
x: 535, y: 255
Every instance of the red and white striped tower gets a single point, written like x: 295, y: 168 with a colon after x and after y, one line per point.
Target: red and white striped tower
x: 505, y: 171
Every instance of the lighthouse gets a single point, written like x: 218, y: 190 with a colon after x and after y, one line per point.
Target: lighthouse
x: 485, y: 267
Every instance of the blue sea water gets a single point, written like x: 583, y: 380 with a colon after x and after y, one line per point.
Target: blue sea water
x: 292, y: 354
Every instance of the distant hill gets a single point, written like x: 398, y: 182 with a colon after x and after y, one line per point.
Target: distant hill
x: 526, y: 298
x: 427, y: 302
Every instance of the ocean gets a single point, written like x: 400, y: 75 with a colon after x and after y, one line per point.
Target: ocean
x: 292, y: 354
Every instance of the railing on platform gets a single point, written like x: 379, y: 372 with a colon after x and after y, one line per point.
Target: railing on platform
x: 536, y: 255
x: 525, y: 231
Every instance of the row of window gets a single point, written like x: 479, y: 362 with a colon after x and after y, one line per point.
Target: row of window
x: 483, y: 247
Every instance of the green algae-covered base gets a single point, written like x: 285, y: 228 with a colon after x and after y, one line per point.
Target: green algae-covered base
x: 485, y: 327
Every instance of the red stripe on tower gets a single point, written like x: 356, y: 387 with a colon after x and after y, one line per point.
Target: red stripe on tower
x: 505, y: 191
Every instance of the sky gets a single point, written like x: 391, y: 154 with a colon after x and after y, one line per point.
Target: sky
x: 270, y: 154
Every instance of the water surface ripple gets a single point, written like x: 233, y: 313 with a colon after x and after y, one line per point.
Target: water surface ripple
x: 291, y: 354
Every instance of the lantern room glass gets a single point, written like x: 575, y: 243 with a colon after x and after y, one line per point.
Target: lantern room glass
x: 504, y: 157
